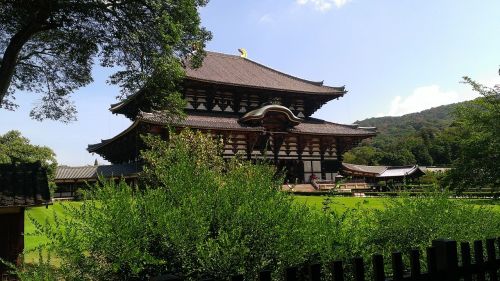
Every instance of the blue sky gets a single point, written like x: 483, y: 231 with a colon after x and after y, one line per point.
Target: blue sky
x: 394, y: 57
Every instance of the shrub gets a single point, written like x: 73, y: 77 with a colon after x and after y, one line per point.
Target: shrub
x: 198, y: 216
x: 194, y: 215
x: 407, y: 223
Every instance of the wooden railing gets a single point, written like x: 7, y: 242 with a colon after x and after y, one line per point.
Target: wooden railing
x: 443, y: 262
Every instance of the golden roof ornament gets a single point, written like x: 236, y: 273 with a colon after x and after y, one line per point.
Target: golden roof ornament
x: 243, y: 53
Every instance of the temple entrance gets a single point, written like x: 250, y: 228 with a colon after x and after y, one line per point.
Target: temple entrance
x: 330, y: 169
x: 294, y: 170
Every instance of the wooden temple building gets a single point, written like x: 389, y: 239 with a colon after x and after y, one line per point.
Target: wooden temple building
x: 258, y: 112
x: 379, y: 177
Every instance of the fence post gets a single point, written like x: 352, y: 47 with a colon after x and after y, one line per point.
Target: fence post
x: 378, y: 267
x: 291, y: 274
x: 431, y: 262
x: 479, y: 260
x: 446, y: 259
x: 415, y: 269
x: 466, y: 260
x: 490, y: 250
x: 338, y: 271
x: 265, y: 275
x: 315, y: 272
x: 238, y: 277
x: 397, y: 266
x: 359, y: 269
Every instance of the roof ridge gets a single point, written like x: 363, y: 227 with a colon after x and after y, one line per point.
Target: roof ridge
x: 74, y: 167
x: 333, y: 123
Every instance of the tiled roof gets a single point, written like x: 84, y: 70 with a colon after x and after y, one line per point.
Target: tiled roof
x: 400, y: 172
x: 322, y: 127
x: 231, y: 121
x: 23, y: 185
x: 219, y: 121
x: 224, y: 121
x: 365, y: 168
x: 384, y: 171
x: 235, y: 70
x: 230, y: 70
x: 92, y: 172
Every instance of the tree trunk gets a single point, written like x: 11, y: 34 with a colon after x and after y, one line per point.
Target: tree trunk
x: 40, y: 13
x: 9, y: 60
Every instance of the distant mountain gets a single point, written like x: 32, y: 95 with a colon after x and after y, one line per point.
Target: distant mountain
x: 437, y: 117
x: 424, y: 138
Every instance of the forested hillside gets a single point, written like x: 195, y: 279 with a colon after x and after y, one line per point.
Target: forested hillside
x: 425, y: 138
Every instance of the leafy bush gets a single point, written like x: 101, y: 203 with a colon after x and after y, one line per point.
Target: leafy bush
x: 408, y: 223
x: 202, y: 218
x: 198, y: 216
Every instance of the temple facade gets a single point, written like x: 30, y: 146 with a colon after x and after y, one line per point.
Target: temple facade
x: 258, y: 112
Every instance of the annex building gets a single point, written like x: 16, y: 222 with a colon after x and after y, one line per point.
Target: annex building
x: 257, y: 111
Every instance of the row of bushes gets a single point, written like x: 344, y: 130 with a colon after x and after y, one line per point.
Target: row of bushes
x: 198, y: 217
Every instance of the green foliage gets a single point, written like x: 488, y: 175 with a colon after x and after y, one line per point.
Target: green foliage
x: 203, y: 217
x: 432, y: 178
x: 479, y: 141
x: 49, y: 47
x: 42, y: 271
x: 363, y: 155
x: 14, y: 148
x: 198, y: 216
x: 424, y: 138
x: 414, y: 222
x: 355, y: 227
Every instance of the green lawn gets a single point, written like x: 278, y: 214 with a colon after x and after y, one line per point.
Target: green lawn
x: 342, y: 203
x: 41, y: 215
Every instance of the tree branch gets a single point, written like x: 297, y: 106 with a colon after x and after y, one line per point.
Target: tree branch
x: 16, y: 43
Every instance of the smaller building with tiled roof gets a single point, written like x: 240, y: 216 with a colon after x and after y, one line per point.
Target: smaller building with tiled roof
x: 372, y: 175
x: 71, y: 179
x: 21, y: 186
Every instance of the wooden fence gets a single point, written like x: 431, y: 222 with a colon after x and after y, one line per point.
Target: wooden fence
x: 443, y: 262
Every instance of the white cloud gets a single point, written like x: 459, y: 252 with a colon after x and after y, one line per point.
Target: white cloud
x: 267, y: 18
x: 426, y: 97
x: 323, y: 5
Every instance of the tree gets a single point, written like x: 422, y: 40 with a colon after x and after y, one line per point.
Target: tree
x: 14, y: 149
x: 363, y: 155
x: 398, y: 156
x: 479, y: 141
x: 49, y: 47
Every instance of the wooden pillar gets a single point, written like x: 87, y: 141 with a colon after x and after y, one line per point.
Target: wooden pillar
x: 340, y: 147
x: 300, y: 150
x: 322, y: 150
x: 251, y: 139
x: 210, y: 100
x: 276, y: 146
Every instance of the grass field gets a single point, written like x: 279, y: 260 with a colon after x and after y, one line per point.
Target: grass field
x: 41, y: 215
x: 344, y: 203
